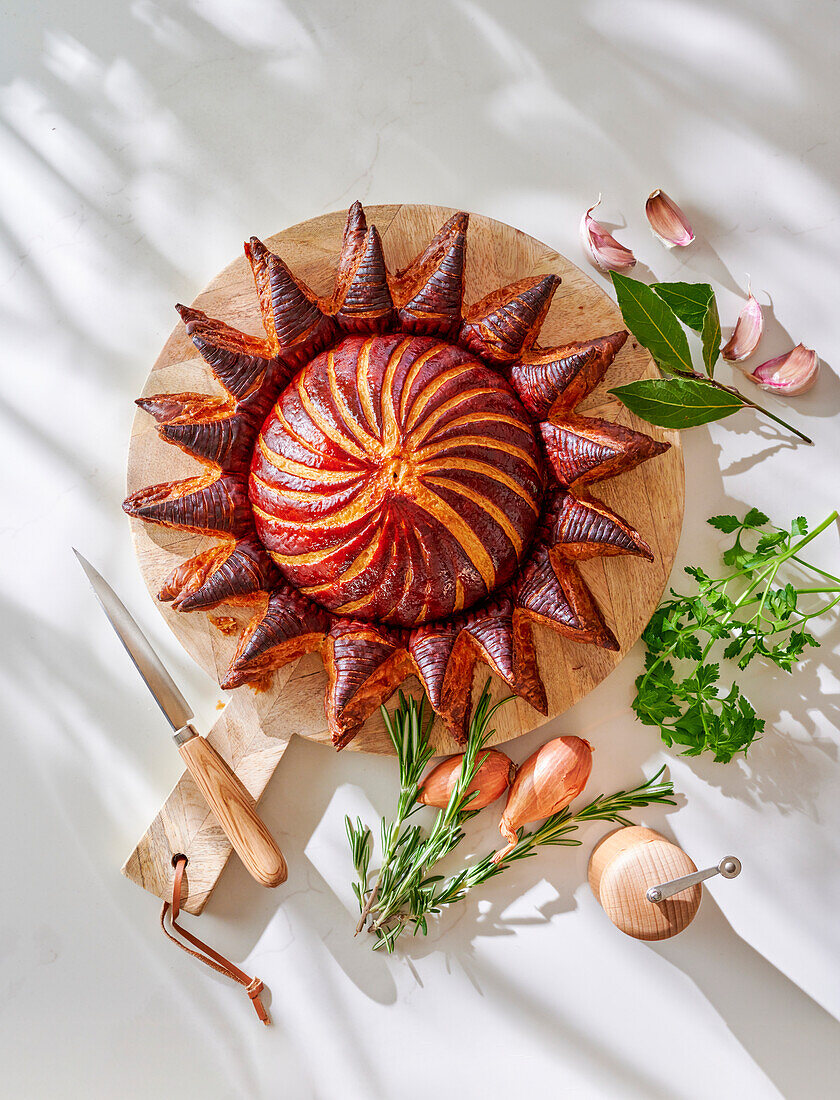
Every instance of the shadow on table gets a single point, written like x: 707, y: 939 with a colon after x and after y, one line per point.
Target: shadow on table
x: 786, y: 1033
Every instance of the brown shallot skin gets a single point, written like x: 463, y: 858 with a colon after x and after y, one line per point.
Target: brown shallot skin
x: 546, y: 783
x: 494, y: 776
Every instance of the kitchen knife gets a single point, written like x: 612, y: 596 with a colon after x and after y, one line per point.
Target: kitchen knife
x: 232, y: 804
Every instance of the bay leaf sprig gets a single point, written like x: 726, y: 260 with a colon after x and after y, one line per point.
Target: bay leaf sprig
x: 406, y: 891
x: 685, y: 398
x: 733, y: 619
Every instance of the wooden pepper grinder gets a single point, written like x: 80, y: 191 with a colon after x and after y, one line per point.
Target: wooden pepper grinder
x: 649, y: 887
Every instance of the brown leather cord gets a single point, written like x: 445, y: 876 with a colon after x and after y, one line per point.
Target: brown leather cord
x: 205, y: 953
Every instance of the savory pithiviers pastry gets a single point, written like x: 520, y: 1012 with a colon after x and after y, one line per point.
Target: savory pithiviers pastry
x: 395, y: 481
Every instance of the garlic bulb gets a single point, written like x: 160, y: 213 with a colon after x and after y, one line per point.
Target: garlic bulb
x: 792, y: 373
x: 747, y: 332
x: 601, y: 247
x: 493, y: 777
x: 548, y: 780
x: 667, y: 221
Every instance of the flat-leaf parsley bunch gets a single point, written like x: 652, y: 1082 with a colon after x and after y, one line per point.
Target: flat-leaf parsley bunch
x: 746, y: 613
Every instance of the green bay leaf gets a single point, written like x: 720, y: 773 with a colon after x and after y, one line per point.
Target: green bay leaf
x: 710, y: 336
x: 653, y: 323
x: 677, y: 402
x: 690, y: 301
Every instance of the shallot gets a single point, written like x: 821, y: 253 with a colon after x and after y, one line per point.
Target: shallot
x: 493, y: 777
x: 546, y: 783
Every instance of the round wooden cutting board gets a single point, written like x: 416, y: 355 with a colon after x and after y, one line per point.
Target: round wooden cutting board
x: 256, y: 726
x: 650, y: 497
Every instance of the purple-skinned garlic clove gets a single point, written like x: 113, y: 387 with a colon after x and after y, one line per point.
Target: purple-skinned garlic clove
x: 601, y: 247
x: 747, y: 332
x: 792, y: 373
x: 667, y: 221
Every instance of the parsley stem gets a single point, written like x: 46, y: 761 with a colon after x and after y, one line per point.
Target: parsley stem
x: 815, y: 569
x: 773, y: 567
x: 780, y: 628
x: 799, y: 592
x: 811, y: 536
x: 766, y: 592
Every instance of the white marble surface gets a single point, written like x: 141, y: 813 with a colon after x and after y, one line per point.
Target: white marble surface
x: 140, y: 143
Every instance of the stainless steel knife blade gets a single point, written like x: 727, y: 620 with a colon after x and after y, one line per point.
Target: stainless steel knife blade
x: 166, y: 693
x: 224, y: 792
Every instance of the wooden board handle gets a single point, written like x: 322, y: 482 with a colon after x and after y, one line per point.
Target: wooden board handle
x: 236, y: 812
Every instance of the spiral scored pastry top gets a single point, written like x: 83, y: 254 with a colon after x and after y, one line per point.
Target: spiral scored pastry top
x: 397, y: 479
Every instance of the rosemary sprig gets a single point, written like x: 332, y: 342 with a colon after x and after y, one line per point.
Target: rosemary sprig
x: 408, y: 853
x: 405, y: 892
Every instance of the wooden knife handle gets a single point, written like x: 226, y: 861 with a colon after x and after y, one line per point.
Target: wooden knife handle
x: 236, y: 812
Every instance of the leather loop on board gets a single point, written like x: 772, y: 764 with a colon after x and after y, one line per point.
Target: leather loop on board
x: 205, y: 953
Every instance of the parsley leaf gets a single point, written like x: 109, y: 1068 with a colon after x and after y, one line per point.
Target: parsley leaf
x: 725, y: 523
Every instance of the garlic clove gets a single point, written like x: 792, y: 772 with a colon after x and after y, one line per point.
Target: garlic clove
x: 547, y: 782
x: 667, y: 221
x: 601, y: 247
x: 792, y: 373
x: 747, y: 332
x: 493, y: 777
